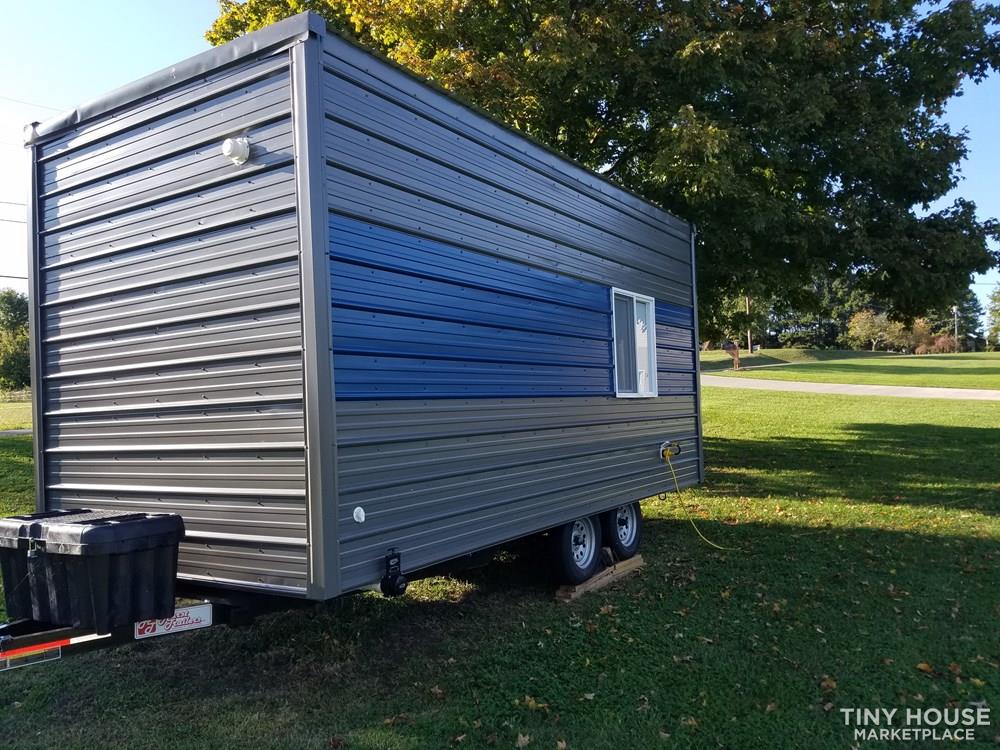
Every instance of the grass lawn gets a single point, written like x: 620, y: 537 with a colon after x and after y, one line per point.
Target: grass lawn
x: 15, y: 415
x: 974, y: 370
x: 717, y: 359
x: 865, y: 542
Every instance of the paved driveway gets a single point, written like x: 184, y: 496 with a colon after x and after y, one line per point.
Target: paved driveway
x: 899, y: 391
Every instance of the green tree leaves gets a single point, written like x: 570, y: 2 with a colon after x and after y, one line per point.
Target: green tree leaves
x: 15, y: 363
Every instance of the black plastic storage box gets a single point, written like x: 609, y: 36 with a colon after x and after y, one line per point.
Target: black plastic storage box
x: 90, y: 569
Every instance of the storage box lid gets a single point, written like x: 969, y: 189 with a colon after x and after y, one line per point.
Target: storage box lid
x: 81, y: 531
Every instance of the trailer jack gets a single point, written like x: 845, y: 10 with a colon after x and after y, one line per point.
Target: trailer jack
x: 393, y: 583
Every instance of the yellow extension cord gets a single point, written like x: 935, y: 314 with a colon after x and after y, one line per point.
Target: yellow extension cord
x: 677, y: 486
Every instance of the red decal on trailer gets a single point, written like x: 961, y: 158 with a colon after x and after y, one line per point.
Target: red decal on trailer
x: 186, y: 618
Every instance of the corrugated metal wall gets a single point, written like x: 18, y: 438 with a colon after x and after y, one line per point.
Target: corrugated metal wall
x: 422, y: 193
x: 415, y: 318
x: 169, y: 327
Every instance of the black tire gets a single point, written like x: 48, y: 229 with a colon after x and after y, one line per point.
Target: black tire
x: 622, y: 527
x: 576, y: 548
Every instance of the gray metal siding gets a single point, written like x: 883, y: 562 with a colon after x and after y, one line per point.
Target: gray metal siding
x: 439, y: 477
x: 168, y: 321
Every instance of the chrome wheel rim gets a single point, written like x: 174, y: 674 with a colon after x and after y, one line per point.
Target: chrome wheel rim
x: 583, y: 542
x: 626, y: 524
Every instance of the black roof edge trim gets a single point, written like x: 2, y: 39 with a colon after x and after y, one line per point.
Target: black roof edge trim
x: 287, y: 31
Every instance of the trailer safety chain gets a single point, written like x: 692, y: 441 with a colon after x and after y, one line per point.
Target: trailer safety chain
x: 667, y: 451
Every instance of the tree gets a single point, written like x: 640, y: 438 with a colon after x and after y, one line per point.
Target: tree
x: 993, y: 320
x: 868, y: 327
x: 15, y: 363
x: 820, y: 321
x: 13, y: 310
x: 15, y: 370
x: 970, y: 315
x: 804, y: 138
x: 919, y: 337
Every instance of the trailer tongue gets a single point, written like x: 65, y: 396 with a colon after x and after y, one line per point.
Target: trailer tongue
x: 79, y: 578
x: 26, y: 642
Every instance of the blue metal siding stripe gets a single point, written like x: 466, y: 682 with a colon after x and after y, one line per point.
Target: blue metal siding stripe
x: 675, y: 315
x: 405, y: 294
x: 370, y: 332
x: 675, y: 357
x: 417, y: 318
x: 375, y: 246
x: 414, y: 318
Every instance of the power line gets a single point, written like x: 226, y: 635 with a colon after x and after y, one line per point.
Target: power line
x: 14, y: 221
x: 5, y: 276
x: 30, y: 104
x: 13, y: 203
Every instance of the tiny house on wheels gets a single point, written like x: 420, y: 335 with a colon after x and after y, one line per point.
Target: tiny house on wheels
x: 342, y: 325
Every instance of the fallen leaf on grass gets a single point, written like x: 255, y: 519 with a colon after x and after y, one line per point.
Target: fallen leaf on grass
x: 587, y: 697
x: 437, y: 692
x: 977, y: 682
x: 771, y: 707
x: 523, y: 740
x: 689, y: 721
x: 561, y: 745
x: 925, y: 668
x: 337, y: 743
x: 828, y: 707
x: 459, y: 738
x: 955, y: 668
x: 608, y: 609
x: 827, y: 684
x: 532, y: 705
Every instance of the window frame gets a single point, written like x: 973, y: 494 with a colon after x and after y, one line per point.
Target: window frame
x: 650, y: 340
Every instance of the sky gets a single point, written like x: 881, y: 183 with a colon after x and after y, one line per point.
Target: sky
x: 78, y: 51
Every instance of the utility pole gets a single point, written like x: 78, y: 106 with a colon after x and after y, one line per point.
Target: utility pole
x: 954, y: 310
x: 749, y: 335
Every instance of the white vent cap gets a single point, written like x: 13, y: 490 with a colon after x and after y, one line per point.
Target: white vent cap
x: 237, y: 150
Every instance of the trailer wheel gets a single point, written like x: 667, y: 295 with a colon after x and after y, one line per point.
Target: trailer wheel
x: 623, y: 530
x: 577, y: 549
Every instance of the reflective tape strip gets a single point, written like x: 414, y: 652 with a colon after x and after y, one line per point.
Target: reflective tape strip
x: 50, y: 646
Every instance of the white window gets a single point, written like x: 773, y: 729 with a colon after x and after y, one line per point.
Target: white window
x: 634, y: 324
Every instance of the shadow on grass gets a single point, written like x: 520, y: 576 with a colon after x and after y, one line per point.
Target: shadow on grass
x: 681, y: 638
x: 912, y: 464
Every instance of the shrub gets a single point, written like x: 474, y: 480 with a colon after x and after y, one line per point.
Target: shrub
x: 943, y: 345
